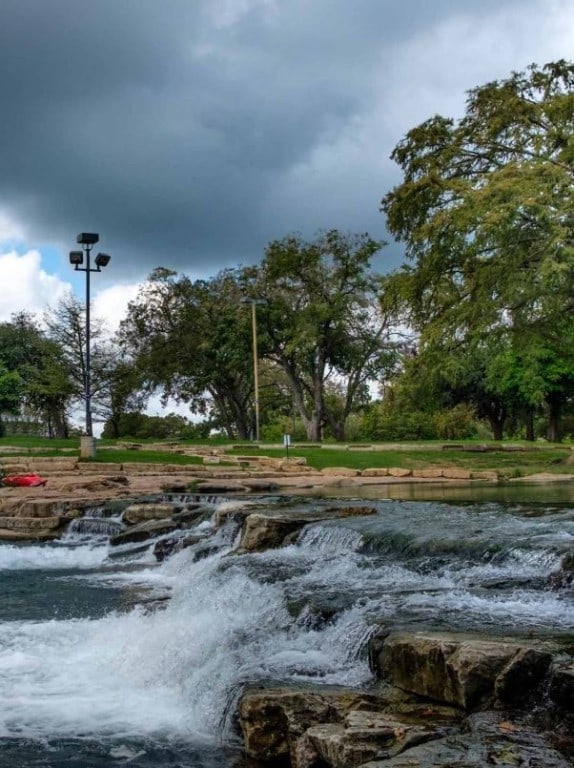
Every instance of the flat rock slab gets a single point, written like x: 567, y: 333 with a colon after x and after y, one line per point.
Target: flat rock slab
x: 491, y: 741
x: 220, y: 486
x: 269, y: 530
x: 144, y: 531
x: 465, y: 671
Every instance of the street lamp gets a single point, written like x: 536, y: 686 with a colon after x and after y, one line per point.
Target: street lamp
x: 87, y: 240
x: 254, y: 303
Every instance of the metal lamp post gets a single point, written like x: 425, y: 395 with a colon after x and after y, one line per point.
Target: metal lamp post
x: 254, y: 303
x: 87, y: 240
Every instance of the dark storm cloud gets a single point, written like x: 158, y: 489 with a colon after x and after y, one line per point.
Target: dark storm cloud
x: 181, y: 130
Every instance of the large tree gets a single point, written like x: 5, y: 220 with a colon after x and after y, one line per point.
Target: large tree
x: 66, y: 327
x: 322, y: 323
x: 39, y: 364
x: 192, y: 341
x: 486, y: 211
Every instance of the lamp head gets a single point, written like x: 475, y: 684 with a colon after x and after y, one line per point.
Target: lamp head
x: 102, y: 260
x: 76, y: 258
x: 87, y: 238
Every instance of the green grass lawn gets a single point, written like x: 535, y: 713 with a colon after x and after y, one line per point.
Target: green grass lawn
x: 510, y: 463
x: 527, y: 459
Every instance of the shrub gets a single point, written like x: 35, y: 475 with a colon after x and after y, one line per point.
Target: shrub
x: 457, y: 423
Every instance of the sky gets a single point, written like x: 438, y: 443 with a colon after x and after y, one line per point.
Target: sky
x: 190, y: 133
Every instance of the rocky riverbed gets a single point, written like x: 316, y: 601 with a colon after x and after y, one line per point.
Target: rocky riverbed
x: 401, y: 634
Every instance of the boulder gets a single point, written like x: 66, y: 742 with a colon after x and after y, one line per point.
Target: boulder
x: 191, y: 514
x: 561, y: 688
x: 468, y: 672
x: 40, y: 508
x: 262, y: 531
x: 139, y: 513
x: 271, y: 530
x: 260, y: 485
x: 272, y: 720
x: 99, y: 467
x: 399, y: 472
x: 237, y: 510
x: 375, y: 472
x: 564, y: 576
x: 428, y: 473
x: 220, y: 486
x: 456, y: 473
x: 144, y: 531
x: 33, y: 524
x: 486, y: 474
x: 164, y: 548
x: 488, y: 740
x: 362, y: 736
x: 318, y: 726
x: 341, y: 471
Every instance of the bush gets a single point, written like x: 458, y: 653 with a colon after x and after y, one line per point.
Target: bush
x: 457, y: 423
x: 383, y: 423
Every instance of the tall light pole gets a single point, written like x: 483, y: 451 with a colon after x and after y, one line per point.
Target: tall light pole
x: 254, y: 303
x: 87, y: 240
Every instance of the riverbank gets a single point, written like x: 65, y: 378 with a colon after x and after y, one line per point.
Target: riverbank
x: 73, y: 485
x: 315, y: 633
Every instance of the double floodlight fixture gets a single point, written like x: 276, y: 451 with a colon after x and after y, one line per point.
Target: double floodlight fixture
x: 87, y: 240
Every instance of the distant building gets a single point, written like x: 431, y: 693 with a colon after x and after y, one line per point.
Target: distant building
x: 21, y: 424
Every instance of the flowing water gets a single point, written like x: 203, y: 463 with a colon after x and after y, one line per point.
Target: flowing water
x: 97, y: 668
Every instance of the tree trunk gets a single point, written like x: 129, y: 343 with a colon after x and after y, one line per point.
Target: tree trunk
x: 496, y: 421
x: 313, y: 427
x: 529, y: 424
x: 554, y: 417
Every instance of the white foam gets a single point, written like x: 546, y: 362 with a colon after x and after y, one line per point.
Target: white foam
x: 51, y: 556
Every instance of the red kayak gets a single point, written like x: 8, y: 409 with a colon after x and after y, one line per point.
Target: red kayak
x: 29, y: 481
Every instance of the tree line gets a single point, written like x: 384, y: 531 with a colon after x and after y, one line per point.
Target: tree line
x: 474, y: 331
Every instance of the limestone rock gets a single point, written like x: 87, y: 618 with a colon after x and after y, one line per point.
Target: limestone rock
x: 340, y: 471
x: 233, y: 509
x: 220, y: 486
x: 33, y: 524
x: 429, y: 472
x: 456, y: 473
x: 375, y: 472
x: 464, y: 671
x: 98, y: 467
x: 399, y: 472
x: 191, y: 513
x: 144, y: 531
x: 561, y: 690
x: 260, y: 485
x: 489, y: 740
x: 139, y: 513
x: 262, y: 531
x: 362, y: 736
x: 41, y: 508
x: 271, y: 530
x: 484, y: 475
x: 272, y: 721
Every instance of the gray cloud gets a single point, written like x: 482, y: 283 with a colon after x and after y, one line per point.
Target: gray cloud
x: 189, y: 134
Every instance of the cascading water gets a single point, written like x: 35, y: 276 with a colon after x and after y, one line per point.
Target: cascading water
x: 90, y: 678
x: 95, y: 522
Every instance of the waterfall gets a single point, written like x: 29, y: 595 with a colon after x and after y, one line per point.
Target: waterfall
x: 301, y: 613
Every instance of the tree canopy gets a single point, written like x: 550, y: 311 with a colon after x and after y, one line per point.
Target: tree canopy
x: 485, y: 210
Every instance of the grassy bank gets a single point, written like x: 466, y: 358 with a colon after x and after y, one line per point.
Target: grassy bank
x: 508, y: 459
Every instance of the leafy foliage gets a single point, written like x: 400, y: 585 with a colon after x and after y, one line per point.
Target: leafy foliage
x: 322, y: 325
x: 486, y: 212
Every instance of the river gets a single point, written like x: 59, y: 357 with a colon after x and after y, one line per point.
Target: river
x: 98, y: 668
